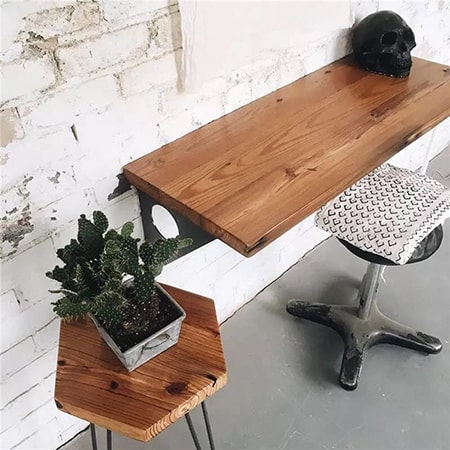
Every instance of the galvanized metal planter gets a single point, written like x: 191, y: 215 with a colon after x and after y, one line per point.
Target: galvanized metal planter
x: 150, y: 347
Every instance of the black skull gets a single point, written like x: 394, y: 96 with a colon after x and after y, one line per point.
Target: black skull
x: 382, y: 43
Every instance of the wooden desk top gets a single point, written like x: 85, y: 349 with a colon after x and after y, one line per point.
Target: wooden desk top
x: 251, y: 175
x: 92, y: 384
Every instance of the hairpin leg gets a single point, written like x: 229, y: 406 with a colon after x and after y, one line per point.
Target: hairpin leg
x: 208, y: 426
x: 93, y: 437
x: 108, y: 440
x: 192, y: 430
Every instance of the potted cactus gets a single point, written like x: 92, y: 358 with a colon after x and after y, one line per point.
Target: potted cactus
x: 110, y: 277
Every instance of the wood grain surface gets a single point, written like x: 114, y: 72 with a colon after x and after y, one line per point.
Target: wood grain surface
x: 251, y: 175
x: 92, y: 384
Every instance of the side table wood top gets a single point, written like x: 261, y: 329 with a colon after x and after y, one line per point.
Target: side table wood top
x: 92, y: 384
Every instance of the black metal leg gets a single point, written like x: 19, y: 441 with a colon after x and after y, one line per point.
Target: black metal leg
x: 208, y: 426
x: 360, y: 334
x: 108, y: 440
x: 93, y: 437
x: 192, y: 430
x: 404, y: 336
x: 352, y: 360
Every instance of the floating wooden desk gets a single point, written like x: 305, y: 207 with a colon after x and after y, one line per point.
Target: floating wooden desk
x: 251, y: 175
x: 92, y: 384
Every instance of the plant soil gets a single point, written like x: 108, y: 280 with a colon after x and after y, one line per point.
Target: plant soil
x: 141, y: 321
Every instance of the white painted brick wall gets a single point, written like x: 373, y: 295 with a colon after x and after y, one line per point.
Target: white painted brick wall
x: 152, y: 74
x: 66, y: 17
x: 124, y: 10
x: 63, y: 107
x: 25, y: 76
x: 108, y: 49
x: 88, y: 86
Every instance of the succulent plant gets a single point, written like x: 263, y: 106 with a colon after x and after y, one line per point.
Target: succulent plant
x: 96, y: 264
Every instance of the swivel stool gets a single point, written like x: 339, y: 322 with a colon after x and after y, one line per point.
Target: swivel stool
x: 365, y: 325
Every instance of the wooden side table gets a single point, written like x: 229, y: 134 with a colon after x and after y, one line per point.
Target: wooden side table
x: 92, y: 384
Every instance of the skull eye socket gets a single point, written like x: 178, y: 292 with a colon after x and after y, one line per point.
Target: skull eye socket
x: 389, y: 38
x: 408, y: 35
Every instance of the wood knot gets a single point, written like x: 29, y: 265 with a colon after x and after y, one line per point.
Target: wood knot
x: 327, y: 71
x: 176, y: 388
x: 279, y: 100
x: 61, y: 362
x: 290, y: 172
x: 114, y: 385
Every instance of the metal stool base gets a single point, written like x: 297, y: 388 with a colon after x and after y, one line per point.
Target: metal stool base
x: 362, y: 327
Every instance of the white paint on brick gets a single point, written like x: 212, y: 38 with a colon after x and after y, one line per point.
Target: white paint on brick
x: 65, y: 18
x: 24, y: 406
x: 325, y: 51
x: 293, y: 67
x: 47, y: 336
x: 10, y: 305
x: 34, y: 317
x: 49, y: 435
x: 27, y: 379
x: 112, y: 131
x: 125, y: 210
x: 108, y: 137
x: 174, y: 127
x: 165, y: 35
x: 24, y: 77
x: 140, y: 143
x: 207, y: 110
x: 237, y: 96
x: 17, y: 357
x: 109, y: 49
x: 31, y: 153
x: 25, y: 273
x: 64, y: 106
x: 264, y: 80
x: 175, y: 101
x: 55, y: 217
x: 146, y: 76
x: 14, y: 15
x: 32, y: 423
x: 122, y: 10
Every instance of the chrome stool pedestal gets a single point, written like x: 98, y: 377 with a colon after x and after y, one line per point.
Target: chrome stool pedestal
x: 365, y: 325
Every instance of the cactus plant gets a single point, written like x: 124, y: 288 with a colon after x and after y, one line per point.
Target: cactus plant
x: 95, y: 267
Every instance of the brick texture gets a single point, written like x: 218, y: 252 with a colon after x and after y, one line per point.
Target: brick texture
x: 24, y: 77
x: 106, y: 50
x: 66, y: 18
x: 88, y: 86
x: 65, y: 106
x: 151, y: 74
x: 119, y: 10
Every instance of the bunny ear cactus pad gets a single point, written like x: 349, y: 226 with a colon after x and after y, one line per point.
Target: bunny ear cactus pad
x: 130, y: 255
x: 100, y: 221
x: 95, y: 265
x: 127, y: 229
x: 90, y: 238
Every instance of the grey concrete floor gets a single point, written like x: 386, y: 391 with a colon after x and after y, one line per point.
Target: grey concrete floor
x: 283, y: 390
